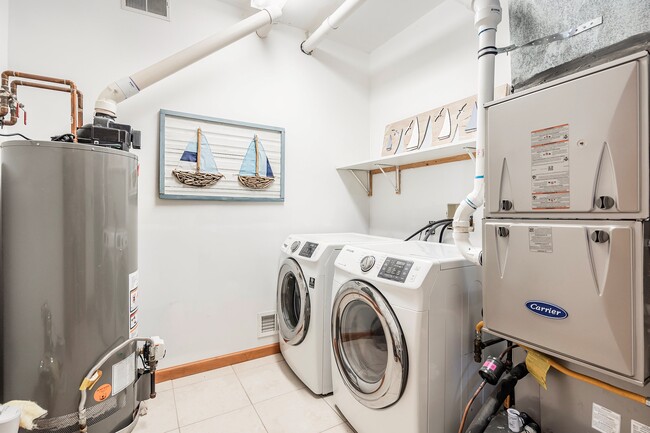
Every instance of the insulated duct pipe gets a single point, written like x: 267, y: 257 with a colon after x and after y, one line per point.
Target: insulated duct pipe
x: 487, y: 18
x: 331, y: 23
x: 120, y: 90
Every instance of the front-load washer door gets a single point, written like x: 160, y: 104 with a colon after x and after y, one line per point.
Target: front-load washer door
x: 294, y: 307
x: 369, y: 346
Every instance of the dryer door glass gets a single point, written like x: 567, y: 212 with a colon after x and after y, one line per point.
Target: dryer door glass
x: 363, y: 341
x: 369, y: 346
x: 293, y: 302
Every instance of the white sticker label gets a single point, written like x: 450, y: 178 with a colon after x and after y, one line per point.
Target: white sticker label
x: 540, y: 239
x: 550, y: 168
x: 605, y: 420
x: 133, y: 303
x: 134, y: 282
x: 123, y: 373
x: 637, y: 427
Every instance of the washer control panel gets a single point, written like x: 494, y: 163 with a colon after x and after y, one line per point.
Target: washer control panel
x: 308, y: 249
x: 395, y: 269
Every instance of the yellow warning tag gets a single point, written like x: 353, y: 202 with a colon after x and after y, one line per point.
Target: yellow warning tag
x: 89, y: 383
x: 538, y: 366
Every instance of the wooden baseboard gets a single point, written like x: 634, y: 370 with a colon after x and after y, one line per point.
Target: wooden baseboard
x: 217, y: 362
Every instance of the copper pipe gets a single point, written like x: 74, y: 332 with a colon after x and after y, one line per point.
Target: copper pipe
x: 76, y: 101
x: 6, y: 74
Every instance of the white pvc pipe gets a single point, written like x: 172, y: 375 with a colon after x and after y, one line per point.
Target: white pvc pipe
x: 487, y: 18
x: 126, y: 87
x: 331, y: 23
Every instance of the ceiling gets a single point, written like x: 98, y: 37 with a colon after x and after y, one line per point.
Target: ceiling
x: 370, y: 26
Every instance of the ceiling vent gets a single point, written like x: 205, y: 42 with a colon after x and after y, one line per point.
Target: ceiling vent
x: 154, y: 8
x: 267, y: 324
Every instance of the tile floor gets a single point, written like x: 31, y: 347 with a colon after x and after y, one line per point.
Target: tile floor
x: 259, y: 396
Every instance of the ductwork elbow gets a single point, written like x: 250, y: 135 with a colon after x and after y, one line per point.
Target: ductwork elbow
x: 113, y: 94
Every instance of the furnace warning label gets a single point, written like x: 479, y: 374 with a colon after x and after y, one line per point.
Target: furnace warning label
x: 605, y: 420
x: 550, y: 168
x: 637, y: 427
x: 540, y: 239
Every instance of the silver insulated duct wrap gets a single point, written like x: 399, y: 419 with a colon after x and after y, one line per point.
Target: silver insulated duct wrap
x: 69, y: 259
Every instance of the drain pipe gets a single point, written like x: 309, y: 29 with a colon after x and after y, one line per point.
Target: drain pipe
x: 331, y: 23
x: 487, y: 18
x: 122, y: 89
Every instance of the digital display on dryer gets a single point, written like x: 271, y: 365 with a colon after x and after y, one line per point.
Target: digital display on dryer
x: 395, y: 269
x: 308, y: 249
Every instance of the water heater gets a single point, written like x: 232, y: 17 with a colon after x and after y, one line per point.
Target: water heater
x: 69, y: 284
x: 566, y: 234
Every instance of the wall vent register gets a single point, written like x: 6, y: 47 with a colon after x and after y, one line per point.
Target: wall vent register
x: 267, y: 324
x: 395, y: 269
x: 155, y: 8
x: 308, y: 249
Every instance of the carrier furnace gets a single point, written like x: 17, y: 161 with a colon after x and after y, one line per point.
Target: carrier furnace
x: 566, y: 235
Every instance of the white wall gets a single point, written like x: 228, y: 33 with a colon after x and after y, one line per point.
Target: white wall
x: 4, y: 35
x: 206, y: 269
x: 429, y: 64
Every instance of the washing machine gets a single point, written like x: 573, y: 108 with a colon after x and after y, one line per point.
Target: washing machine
x: 402, y: 327
x: 304, y: 300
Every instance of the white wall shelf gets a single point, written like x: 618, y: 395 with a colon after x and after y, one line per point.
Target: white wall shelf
x: 441, y: 154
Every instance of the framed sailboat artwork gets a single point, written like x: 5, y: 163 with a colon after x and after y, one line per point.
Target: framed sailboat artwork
x: 206, y: 158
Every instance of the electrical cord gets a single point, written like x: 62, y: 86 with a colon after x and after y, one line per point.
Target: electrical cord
x: 419, y: 231
x: 15, y: 134
x: 432, y: 230
x: 431, y: 225
x: 442, y: 231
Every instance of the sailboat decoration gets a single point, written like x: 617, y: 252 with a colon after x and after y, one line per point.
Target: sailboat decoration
x: 471, y: 125
x: 428, y: 133
x: 197, y: 167
x: 254, y: 162
x: 414, y: 128
x: 445, y: 133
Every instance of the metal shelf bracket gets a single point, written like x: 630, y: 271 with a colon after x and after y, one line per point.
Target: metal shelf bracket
x: 367, y: 186
x: 398, y: 177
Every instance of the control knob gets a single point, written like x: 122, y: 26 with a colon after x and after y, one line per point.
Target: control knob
x: 294, y: 246
x: 367, y: 263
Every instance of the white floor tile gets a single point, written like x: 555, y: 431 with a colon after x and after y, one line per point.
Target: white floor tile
x: 240, y: 421
x: 329, y: 399
x: 200, y: 401
x: 341, y: 428
x: 161, y: 415
x: 164, y: 386
x: 268, y: 381
x: 297, y: 412
x: 202, y: 377
x: 272, y: 359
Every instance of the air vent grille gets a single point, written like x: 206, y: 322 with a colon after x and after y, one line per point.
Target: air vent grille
x: 267, y: 324
x: 157, y: 8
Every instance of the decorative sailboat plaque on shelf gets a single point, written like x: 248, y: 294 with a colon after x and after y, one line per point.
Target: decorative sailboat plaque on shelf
x: 442, y: 125
x: 197, y: 167
x: 256, y: 171
x: 250, y: 159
